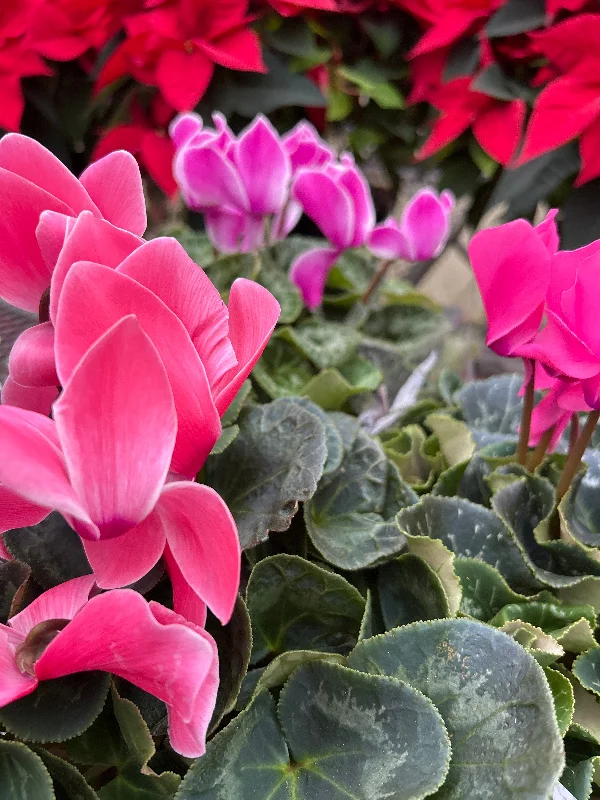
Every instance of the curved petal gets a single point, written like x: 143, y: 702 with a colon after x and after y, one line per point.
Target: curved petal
x: 563, y: 272
x: 309, y: 272
x: 51, y: 233
x: 203, y: 540
x: 15, y: 512
x: 253, y: 314
x: 559, y: 348
x: 31, y: 398
x: 91, y: 239
x: 24, y: 275
x: 169, y: 661
x: 184, y: 126
x: 102, y: 297
x: 226, y: 229
x: 207, y: 179
x: 387, y: 241
x: 264, y: 167
x: 125, y: 559
x: 115, y: 185
x: 328, y: 205
x: 31, y: 360
x: 183, y: 77
x: 61, y: 602
x: 357, y: 187
x: 31, y: 160
x: 33, y: 467
x: 185, y: 600
x: 548, y: 232
x: 163, y: 267
x: 579, y: 304
x: 117, y: 425
x: 14, y: 683
x: 425, y: 224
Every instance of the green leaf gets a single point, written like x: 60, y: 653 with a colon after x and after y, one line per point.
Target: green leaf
x: 294, y: 38
x: 409, y: 591
x: 517, y: 16
x: 296, y: 605
x: 562, y: 694
x: 484, y: 591
x: 275, y: 279
x: 335, y: 446
x: 339, y: 105
x: 274, y: 463
x: 586, y: 669
x: 373, y: 83
x: 544, y: 648
x: 406, y: 449
x: 23, y: 775
x: 372, y: 622
x: 464, y: 58
x: 492, y: 408
x: 285, y: 664
x: 337, y: 734
x: 138, y: 786
x: 225, y: 439
x: 384, y: 32
x: 493, y: 697
x: 577, y: 778
x: 52, y: 549
x: 197, y: 245
x: 455, y: 438
x: 13, y: 579
x: 469, y: 530
x: 135, y: 733
x: 233, y: 412
x: 58, y: 709
x: 350, y: 519
x: 441, y: 560
x: 234, y: 643
x: 326, y: 344
x: 72, y: 783
x: 571, y: 626
x: 282, y: 370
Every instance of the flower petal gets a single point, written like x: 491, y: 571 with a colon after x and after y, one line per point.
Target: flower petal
x: 117, y: 424
x: 102, y: 297
x: 203, y: 541
x: 15, y: 512
x: 185, y: 600
x: 559, y: 348
x: 253, y: 314
x: 425, y: 224
x: 207, y: 179
x: 32, y: 398
x: 31, y: 360
x: 328, y: 205
x: 51, y: 233
x: 309, y: 272
x: 61, y: 602
x: 14, y: 683
x: 163, y: 267
x: 357, y: 187
x: 125, y: 559
x: 264, y: 167
x: 115, y: 185
x: 387, y: 241
x: 184, y: 126
x: 183, y: 77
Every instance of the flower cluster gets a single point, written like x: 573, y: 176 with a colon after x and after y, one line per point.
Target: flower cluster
x: 253, y: 188
x: 111, y: 407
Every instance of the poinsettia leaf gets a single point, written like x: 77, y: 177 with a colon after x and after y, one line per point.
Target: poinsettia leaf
x: 13, y: 579
x: 23, y: 775
x: 494, y: 82
x: 492, y: 695
x: 310, y: 747
x: 274, y: 463
x: 350, y: 519
x: 72, y: 784
x: 562, y: 694
x: 234, y: 643
x: 517, y: 16
x: 469, y: 530
x: 410, y: 591
x: 57, y: 709
x: 326, y: 344
x: 296, y: 605
x: 52, y: 549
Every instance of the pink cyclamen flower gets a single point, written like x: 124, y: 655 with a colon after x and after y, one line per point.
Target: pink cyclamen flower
x: 207, y: 348
x: 338, y: 200
x: 39, y: 199
x: 422, y: 231
x: 64, y: 632
x: 512, y: 266
x: 103, y: 464
x: 555, y: 410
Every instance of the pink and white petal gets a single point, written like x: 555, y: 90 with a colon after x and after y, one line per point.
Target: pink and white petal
x: 15, y: 512
x: 364, y: 211
x: 32, y: 398
x: 125, y: 559
x: 226, y: 228
x: 32, y: 466
x: 91, y: 239
x: 61, y: 602
x: 264, y: 167
x: 253, y: 314
x: 115, y: 185
x: 202, y: 538
x: 24, y: 275
x: 309, y: 272
x: 51, y: 233
x: 285, y: 222
x: 208, y: 179
x: 31, y: 160
x: 425, y: 224
x: 328, y: 205
x: 185, y: 600
x: 163, y: 267
x: 117, y: 424
x: 102, y: 297
x: 31, y: 360
x: 170, y: 662
x: 387, y: 241
x: 184, y: 126
x: 14, y: 683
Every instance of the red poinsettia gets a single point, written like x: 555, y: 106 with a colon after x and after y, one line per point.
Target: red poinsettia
x: 18, y: 59
x: 290, y: 8
x: 569, y: 106
x: 147, y: 138
x: 65, y: 29
x: 448, y: 20
x: 175, y: 45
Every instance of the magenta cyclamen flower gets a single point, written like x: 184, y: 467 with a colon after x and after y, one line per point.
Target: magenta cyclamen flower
x: 63, y: 632
x: 337, y: 199
x: 103, y: 463
x: 422, y: 231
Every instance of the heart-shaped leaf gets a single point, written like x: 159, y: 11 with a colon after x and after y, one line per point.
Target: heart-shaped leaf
x: 409, y: 591
x: 23, y: 775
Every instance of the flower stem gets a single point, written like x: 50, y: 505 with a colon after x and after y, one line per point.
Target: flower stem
x: 536, y: 458
x: 576, y: 454
x: 574, y: 432
x: 528, y: 401
x: 376, y: 279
